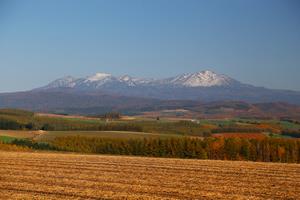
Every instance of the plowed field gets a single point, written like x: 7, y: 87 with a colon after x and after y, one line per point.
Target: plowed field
x: 71, y: 176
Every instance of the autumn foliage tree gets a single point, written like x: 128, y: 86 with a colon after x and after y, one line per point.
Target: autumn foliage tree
x: 266, y: 150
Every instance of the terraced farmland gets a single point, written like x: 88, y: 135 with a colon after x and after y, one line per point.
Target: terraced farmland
x: 71, y: 176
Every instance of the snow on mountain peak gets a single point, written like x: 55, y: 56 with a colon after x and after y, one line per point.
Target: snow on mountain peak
x: 98, y: 77
x: 125, y: 78
x: 201, y: 79
x: 128, y: 80
x: 132, y: 81
x: 67, y: 81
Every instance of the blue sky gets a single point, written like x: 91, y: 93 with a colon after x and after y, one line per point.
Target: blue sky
x: 253, y: 41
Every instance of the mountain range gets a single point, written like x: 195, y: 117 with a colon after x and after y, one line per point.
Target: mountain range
x: 202, y: 86
x: 100, y: 80
x: 103, y: 92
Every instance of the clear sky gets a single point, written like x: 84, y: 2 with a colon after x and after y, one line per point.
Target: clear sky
x: 253, y: 41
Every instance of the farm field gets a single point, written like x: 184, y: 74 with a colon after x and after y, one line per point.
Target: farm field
x: 19, y: 134
x: 73, y: 176
x: 45, y: 136
x: 50, y: 135
x: 30, y: 125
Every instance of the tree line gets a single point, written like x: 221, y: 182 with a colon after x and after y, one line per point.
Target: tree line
x: 266, y: 150
x: 291, y: 133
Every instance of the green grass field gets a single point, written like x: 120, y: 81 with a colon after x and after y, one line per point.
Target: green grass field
x: 289, y: 125
x: 7, y: 139
x: 218, y: 121
x: 278, y: 136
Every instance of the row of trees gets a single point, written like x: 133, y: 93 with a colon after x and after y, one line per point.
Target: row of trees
x: 237, y: 130
x: 290, y: 120
x: 266, y: 150
x: 291, y: 133
x: 10, y: 125
x: 110, y: 116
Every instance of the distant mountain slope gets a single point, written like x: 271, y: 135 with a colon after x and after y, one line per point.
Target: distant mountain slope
x: 88, y: 103
x: 200, y: 79
x: 201, y: 86
x: 52, y: 100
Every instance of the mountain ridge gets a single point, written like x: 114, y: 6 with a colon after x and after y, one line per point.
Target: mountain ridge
x: 204, y: 78
x: 203, y: 86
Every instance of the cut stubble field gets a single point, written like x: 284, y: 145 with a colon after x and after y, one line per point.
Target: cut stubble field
x: 19, y: 134
x: 73, y: 176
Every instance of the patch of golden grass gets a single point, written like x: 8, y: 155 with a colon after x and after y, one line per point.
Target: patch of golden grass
x: 19, y: 133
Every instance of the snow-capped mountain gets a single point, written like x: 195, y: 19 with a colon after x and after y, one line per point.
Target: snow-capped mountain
x: 95, y: 81
x: 132, y: 81
x: 65, y: 82
x: 200, y: 79
x: 98, y: 77
x: 204, y: 86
